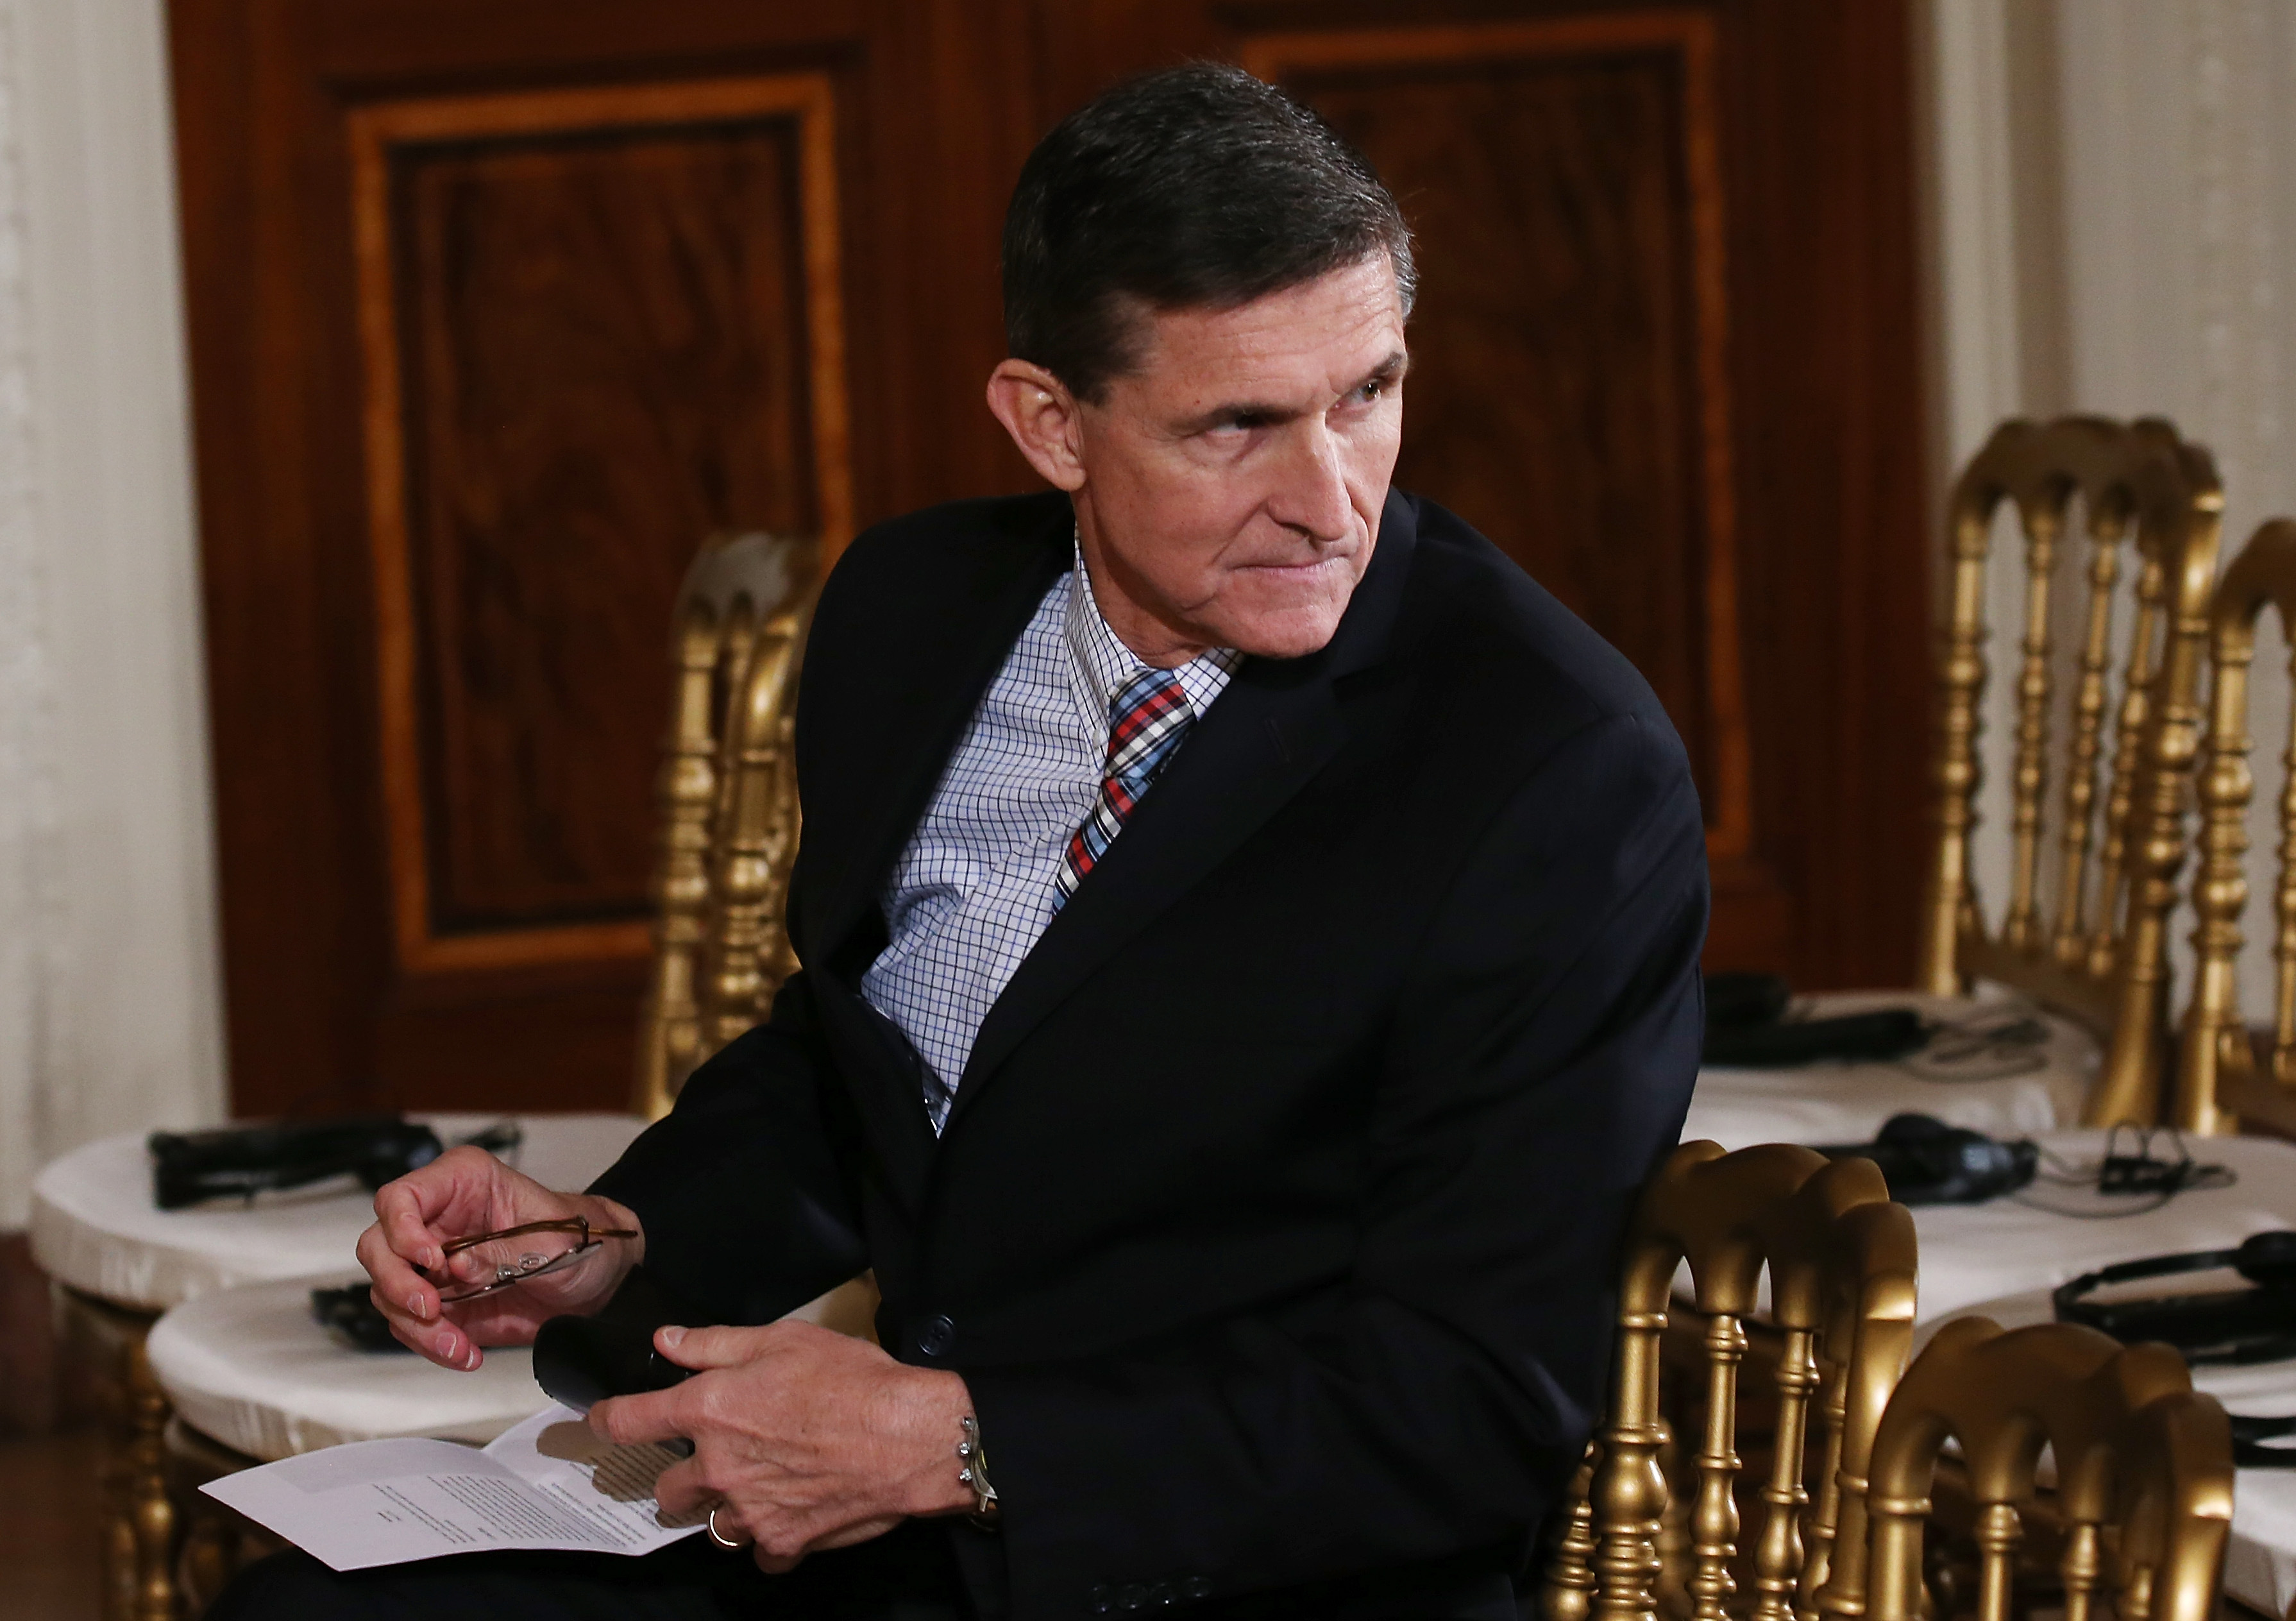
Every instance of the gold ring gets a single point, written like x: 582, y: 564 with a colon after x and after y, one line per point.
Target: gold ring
x: 720, y: 1537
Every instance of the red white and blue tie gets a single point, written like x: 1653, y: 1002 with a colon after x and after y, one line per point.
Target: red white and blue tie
x: 1147, y: 719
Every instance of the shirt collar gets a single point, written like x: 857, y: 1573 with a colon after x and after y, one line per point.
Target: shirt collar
x: 1100, y: 663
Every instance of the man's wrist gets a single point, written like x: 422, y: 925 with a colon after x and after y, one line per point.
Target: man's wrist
x: 940, y: 1404
x: 621, y: 1255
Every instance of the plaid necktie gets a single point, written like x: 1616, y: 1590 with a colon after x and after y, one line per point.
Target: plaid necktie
x: 1146, y: 721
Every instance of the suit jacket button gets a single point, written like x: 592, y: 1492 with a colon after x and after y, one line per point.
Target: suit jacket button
x: 1195, y: 1587
x: 1164, y: 1594
x: 1132, y: 1595
x: 937, y: 1337
x: 1099, y: 1599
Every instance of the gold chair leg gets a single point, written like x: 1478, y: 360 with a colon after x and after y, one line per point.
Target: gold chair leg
x: 213, y: 1544
x: 139, y: 1529
x: 151, y: 1514
x: 1567, y: 1582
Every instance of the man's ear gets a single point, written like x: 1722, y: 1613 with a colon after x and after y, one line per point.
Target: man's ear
x: 1041, y: 415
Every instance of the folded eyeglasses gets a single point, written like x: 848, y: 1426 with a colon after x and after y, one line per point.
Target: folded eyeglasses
x: 520, y: 1254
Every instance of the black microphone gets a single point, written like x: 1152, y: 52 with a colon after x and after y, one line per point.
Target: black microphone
x: 581, y: 1361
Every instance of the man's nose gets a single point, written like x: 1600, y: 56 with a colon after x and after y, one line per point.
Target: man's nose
x: 1311, y: 490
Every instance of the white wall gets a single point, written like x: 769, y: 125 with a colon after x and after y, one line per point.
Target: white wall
x: 2113, y: 228
x: 109, y: 1007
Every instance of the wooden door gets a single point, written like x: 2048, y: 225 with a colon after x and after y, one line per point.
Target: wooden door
x: 499, y: 307
x: 1665, y: 355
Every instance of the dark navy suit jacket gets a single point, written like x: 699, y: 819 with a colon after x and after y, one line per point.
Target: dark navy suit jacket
x: 1274, y: 1226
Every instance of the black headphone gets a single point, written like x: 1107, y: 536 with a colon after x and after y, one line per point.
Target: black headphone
x: 2225, y: 1326
x: 1927, y: 1162
x: 2252, y: 1325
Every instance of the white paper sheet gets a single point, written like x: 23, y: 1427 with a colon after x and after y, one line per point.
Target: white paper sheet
x: 549, y: 1483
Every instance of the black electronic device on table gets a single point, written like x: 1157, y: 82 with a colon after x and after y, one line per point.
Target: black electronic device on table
x: 350, y: 1315
x: 1927, y: 1162
x: 2252, y: 1324
x: 239, y: 1161
x: 1747, y: 1028
x: 2235, y: 1326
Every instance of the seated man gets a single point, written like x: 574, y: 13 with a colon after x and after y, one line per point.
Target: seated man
x: 1250, y: 937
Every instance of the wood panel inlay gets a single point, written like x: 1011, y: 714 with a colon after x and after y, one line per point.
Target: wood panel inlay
x: 597, y: 326
x: 1569, y: 390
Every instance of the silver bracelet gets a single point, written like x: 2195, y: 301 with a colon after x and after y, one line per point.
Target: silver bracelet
x: 975, y: 1472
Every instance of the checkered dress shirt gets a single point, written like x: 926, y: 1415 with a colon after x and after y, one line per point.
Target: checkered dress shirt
x: 974, y: 889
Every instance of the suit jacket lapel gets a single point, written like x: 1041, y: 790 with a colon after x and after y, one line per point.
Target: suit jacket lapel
x: 941, y: 677
x: 945, y: 679
x: 1278, y: 723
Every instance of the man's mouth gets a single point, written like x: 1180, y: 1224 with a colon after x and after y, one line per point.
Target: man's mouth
x: 1296, y: 570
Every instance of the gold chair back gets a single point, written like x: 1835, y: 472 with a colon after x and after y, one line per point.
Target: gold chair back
x: 1841, y: 1259
x: 2102, y: 957
x: 729, y: 806
x: 2217, y: 1078
x: 2144, y: 1470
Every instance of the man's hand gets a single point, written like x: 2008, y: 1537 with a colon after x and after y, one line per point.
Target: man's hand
x: 464, y: 1192
x: 810, y: 1439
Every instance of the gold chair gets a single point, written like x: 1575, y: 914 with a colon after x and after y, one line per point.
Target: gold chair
x: 1841, y: 1261
x: 2141, y: 1503
x: 729, y: 829
x: 729, y: 807
x: 2101, y: 957
x: 2218, y: 1082
x: 730, y: 824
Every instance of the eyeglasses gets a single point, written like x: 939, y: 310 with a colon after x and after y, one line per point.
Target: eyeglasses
x: 520, y: 1254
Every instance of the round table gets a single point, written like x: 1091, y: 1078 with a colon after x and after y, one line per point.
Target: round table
x: 95, y: 1229
x: 121, y: 1261
x: 251, y: 1368
x: 2002, y: 1259
x: 1831, y: 1102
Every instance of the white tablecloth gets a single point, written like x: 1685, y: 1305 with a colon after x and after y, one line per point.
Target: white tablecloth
x: 1833, y: 1103
x: 95, y: 1228
x: 2261, y: 1561
x: 1971, y: 1252
x: 251, y: 1368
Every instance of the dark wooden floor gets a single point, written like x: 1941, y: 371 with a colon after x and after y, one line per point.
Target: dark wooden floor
x: 48, y: 1528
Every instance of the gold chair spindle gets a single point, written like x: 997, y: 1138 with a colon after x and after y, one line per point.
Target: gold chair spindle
x: 1825, y: 1506
x: 2080, y: 1569
x: 1956, y: 773
x: 2030, y: 773
x: 734, y: 648
x: 2226, y: 784
x: 2283, y: 904
x: 1714, y: 1522
x: 1628, y: 1491
x: 1876, y: 1321
x: 2157, y: 825
x: 2112, y: 863
x: 1999, y: 1533
x: 1779, y: 1555
x: 2070, y: 940
x: 1570, y: 1576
